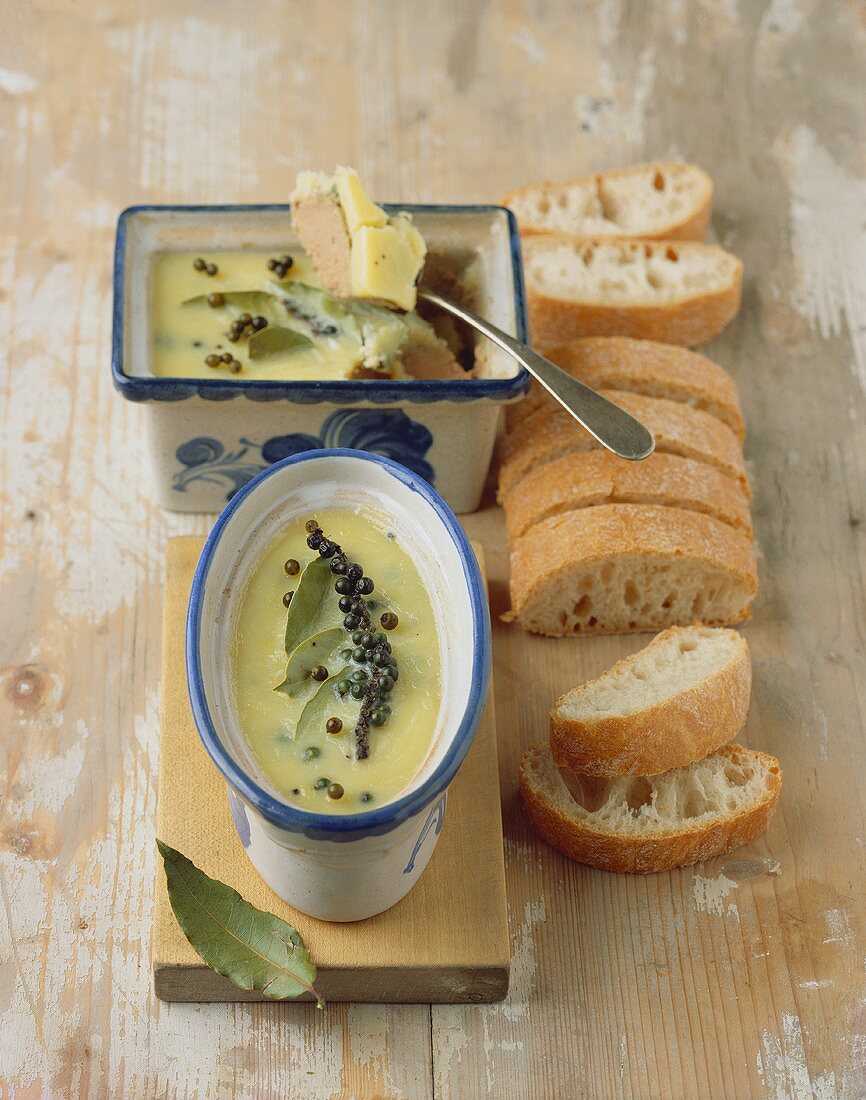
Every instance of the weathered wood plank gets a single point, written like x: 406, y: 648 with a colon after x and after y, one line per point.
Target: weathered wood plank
x: 698, y: 983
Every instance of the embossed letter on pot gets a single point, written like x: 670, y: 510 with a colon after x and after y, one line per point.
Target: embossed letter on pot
x: 338, y: 658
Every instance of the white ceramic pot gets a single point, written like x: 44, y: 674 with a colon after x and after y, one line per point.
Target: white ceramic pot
x: 209, y: 436
x: 339, y: 867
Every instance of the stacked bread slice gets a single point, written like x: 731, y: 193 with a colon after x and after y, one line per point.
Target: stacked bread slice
x: 600, y: 545
x: 622, y: 253
x: 638, y: 774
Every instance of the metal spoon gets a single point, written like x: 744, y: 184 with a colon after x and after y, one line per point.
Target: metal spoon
x: 610, y: 425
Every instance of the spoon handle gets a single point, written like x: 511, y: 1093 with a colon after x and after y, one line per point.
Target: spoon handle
x: 614, y: 428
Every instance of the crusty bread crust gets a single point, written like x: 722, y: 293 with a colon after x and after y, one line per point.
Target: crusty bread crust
x: 690, y: 224
x: 678, y: 429
x: 589, y: 537
x: 598, y: 477
x: 692, y: 319
x: 686, y: 726
x: 642, y: 366
x: 659, y: 850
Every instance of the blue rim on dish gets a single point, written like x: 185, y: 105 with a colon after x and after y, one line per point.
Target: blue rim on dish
x: 340, y: 392
x: 382, y: 819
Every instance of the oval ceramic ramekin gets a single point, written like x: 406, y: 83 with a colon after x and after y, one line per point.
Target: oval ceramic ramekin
x: 209, y: 436
x: 339, y: 867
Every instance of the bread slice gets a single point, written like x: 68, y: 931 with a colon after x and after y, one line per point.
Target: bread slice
x: 598, y: 477
x: 676, y: 700
x: 678, y: 429
x: 642, y: 825
x: 676, y: 292
x: 619, y: 568
x: 644, y: 200
x: 642, y: 366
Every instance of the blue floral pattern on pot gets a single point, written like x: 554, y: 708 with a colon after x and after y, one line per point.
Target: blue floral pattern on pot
x: 387, y: 432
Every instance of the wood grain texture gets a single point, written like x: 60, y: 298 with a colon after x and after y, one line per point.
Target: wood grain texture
x: 409, y: 953
x: 698, y: 983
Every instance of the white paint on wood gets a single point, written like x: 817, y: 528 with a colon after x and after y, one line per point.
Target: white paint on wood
x: 711, y: 894
x: 782, y: 1063
x: 526, y: 41
x: 838, y: 928
x: 826, y: 203
x: 524, y: 964
x: 17, y: 83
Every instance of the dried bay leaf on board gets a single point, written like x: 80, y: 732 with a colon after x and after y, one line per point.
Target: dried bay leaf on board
x: 252, y: 948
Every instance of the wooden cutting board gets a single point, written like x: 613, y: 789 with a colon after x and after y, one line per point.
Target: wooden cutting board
x: 447, y: 941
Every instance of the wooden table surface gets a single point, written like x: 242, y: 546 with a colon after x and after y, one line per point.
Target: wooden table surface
x: 693, y: 984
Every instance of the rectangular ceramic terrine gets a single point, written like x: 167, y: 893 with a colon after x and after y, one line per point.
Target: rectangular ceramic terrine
x: 209, y: 436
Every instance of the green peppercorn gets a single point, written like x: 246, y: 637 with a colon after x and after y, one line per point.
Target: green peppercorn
x: 366, y: 797
x: 389, y: 620
x: 359, y: 676
x: 226, y: 357
x: 358, y: 691
x: 344, y: 687
x: 311, y: 753
x: 199, y: 264
x: 386, y: 683
x: 211, y: 269
x: 322, y: 783
x: 235, y: 366
x: 212, y: 360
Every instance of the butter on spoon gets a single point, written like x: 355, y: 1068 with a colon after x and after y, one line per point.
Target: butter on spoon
x: 357, y: 250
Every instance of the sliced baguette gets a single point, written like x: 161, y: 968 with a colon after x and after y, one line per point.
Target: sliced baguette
x: 621, y: 568
x: 598, y: 477
x: 644, y: 200
x: 642, y: 366
x: 678, y: 429
x: 676, y: 700
x: 642, y: 825
x: 676, y: 292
